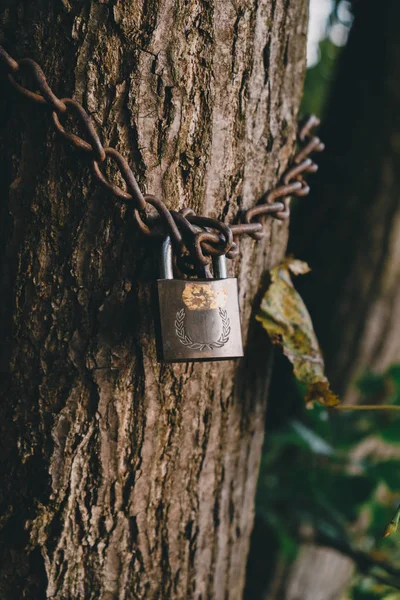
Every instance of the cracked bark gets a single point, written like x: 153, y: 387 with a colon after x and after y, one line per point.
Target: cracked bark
x: 123, y: 478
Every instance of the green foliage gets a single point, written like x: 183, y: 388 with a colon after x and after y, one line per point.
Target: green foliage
x: 335, y: 472
x: 319, y: 79
x: 394, y: 524
x: 366, y: 588
x: 387, y: 385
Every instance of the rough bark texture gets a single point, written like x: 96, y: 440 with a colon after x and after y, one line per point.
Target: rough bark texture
x: 126, y: 478
x: 349, y: 232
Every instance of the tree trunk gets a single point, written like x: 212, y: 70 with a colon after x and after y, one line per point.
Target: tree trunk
x: 125, y: 478
x: 349, y: 232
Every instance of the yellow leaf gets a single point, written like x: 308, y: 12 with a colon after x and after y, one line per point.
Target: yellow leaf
x: 284, y: 316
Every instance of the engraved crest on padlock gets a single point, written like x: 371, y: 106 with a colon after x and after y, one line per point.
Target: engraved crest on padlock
x: 199, y: 318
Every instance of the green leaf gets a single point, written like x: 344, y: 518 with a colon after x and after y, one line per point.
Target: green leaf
x: 393, y: 526
x: 313, y: 441
x: 379, y: 518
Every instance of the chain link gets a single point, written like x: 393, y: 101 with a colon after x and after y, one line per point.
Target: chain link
x: 195, y: 238
x: 94, y: 145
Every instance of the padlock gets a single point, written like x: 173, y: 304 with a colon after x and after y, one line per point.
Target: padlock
x: 199, y: 318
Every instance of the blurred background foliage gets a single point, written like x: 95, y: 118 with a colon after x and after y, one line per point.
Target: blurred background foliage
x: 333, y: 478
x: 329, y: 27
x: 329, y: 478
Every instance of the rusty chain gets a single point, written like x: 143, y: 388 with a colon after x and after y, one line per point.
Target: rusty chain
x: 195, y: 238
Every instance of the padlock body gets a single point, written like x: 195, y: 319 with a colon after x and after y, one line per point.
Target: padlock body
x: 199, y: 320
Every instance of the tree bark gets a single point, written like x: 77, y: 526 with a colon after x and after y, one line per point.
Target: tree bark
x: 349, y: 232
x: 124, y: 478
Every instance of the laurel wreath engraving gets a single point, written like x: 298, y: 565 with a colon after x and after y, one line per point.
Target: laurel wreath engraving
x: 187, y: 341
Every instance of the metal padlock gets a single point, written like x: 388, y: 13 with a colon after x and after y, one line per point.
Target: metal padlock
x: 199, y: 318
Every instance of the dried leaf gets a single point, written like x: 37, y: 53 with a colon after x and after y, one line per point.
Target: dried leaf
x: 393, y: 525
x: 285, y: 317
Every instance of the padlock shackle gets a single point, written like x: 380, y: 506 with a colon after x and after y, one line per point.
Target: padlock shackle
x: 220, y: 267
x: 167, y: 269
